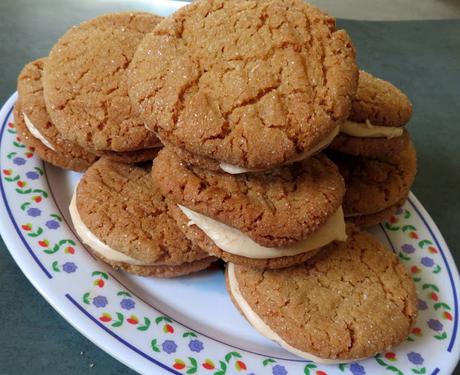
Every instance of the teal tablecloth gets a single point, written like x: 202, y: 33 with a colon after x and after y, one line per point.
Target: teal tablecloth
x: 421, y: 57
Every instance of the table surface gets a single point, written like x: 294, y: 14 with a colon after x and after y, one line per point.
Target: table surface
x: 421, y: 57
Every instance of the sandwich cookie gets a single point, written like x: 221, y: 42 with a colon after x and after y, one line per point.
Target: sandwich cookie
x: 375, y: 188
x: 267, y: 220
x: 124, y: 220
x: 250, y: 85
x: 375, y: 126
x: 36, y: 129
x: 353, y: 301
x: 85, y: 85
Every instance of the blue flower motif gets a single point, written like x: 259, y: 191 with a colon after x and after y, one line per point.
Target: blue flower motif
x: 34, y: 212
x: 415, y: 358
x: 52, y: 224
x: 32, y: 175
x: 169, y: 346
x: 427, y: 262
x: 100, y: 301
x: 19, y: 161
x: 279, y: 370
x: 435, y: 325
x: 196, y: 346
x: 421, y: 304
x: 69, y: 267
x: 127, y: 304
x: 407, y: 248
x: 357, y: 369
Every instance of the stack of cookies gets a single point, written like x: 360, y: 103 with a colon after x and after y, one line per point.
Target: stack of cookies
x: 247, y: 98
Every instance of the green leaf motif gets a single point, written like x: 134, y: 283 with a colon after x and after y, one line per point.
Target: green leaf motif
x: 417, y: 279
x: 394, y: 369
x: 154, y: 346
x: 12, y: 179
x: 308, y: 367
x: 419, y: 371
x: 189, y: 334
x: 441, y: 304
x: 422, y: 243
x: 40, y: 172
x: 430, y: 286
x: 410, y: 338
x: 20, y: 191
x: 406, y: 214
x: 223, y: 366
x: 193, y: 364
x: 229, y: 356
x: 123, y: 293
x: 120, y: 320
x: 162, y: 318
x: 37, y: 233
x: 101, y: 274
x: 442, y: 336
x: 268, y: 361
x: 342, y: 366
x: 405, y: 228
x: 403, y: 256
x: 11, y: 155
x: 19, y: 145
x: 391, y: 227
x: 42, y: 192
x: 437, y: 269
x: 146, y: 325
x: 55, y: 266
x: 86, y: 298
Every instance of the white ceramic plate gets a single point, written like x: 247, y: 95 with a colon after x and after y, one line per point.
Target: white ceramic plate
x: 188, y: 325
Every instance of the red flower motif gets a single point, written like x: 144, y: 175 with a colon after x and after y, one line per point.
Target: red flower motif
x: 414, y: 269
x: 99, y: 282
x: 105, y: 317
x: 432, y: 250
x: 21, y: 184
x: 240, y: 366
x: 393, y: 219
x: 447, y: 315
x: 168, y: 328
x: 10, y: 125
x: 319, y: 372
x: 416, y: 331
x: 43, y: 243
x: 37, y: 198
x: 179, y: 364
x: 26, y: 227
x: 434, y: 296
x: 208, y: 364
x: 132, y: 319
x: 413, y: 235
x: 29, y: 155
x: 7, y: 172
x: 390, y: 356
x: 69, y: 250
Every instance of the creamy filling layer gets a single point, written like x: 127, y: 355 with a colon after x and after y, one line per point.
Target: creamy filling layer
x: 235, y: 242
x: 234, y: 169
x: 95, y: 243
x: 36, y: 133
x: 257, y: 322
x: 367, y: 130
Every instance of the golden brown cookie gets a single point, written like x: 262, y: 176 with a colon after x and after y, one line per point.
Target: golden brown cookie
x: 378, y: 103
x: 373, y: 185
x: 274, y: 208
x: 125, y: 221
x: 369, y: 220
x: 199, y: 238
x: 52, y: 148
x: 251, y: 84
x: 85, y: 83
x: 355, y: 300
x: 129, y: 157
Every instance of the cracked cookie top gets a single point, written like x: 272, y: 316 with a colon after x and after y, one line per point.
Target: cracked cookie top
x: 254, y: 84
x: 274, y: 208
x: 85, y: 83
x: 119, y: 205
x: 354, y: 301
x: 380, y: 102
x: 373, y: 184
x: 31, y: 103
